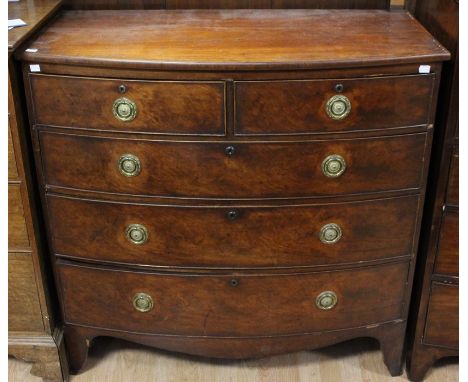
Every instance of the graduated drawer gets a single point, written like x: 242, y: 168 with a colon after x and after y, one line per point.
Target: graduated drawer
x: 231, y: 305
x: 17, y: 231
x: 166, y: 107
x: 320, y: 234
x: 448, y: 251
x: 253, y: 170
x: 442, y: 316
x: 300, y: 106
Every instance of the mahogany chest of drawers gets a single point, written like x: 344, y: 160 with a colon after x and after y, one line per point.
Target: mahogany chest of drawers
x: 233, y: 183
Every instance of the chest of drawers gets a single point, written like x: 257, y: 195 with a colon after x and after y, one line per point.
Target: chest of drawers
x: 233, y: 183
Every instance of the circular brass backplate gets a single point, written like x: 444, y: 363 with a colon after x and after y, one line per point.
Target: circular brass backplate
x: 338, y: 107
x: 333, y: 166
x: 330, y: 233
x: 124, y: 109
x: 129, y: 165
x: 143, y: 302
x: 326, y: 300
x: 136, y: 234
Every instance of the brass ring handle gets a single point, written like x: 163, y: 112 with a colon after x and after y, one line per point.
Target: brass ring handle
x: 326, y: 300
x: 338, y: 107
x: 333, y: 166
x: 330, y: 233
x: 143, y: 302
x: 129, y: 165
x: 124, y: 109
x: 136, y: 234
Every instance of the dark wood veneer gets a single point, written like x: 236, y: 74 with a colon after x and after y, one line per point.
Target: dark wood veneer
x: 190, y: 236
x: 209, y: 305
x: 162, y: 106
x: 294, y: 107
x: 255, y: 170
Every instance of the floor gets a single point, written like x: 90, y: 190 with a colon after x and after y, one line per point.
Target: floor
x: 112, y: 360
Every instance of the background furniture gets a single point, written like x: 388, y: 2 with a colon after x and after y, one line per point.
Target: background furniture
x: 233, y: 188
x: 434, y: 331
x: 32, y: 332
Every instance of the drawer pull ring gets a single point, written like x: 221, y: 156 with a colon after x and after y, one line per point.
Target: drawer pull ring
x: 124, y: 109
x: 230, y: 150
x: 338, y: 107
x: 333, y: 166
x: 143, y: 302
x: 326, y: 300
x: 136, y: 234
x: 129, y: 165
x: 330, y: 233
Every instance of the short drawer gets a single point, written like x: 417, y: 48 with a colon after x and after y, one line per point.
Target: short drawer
x: 240, y: 170
x: 442, y: 316
x: 339, y: 105
x: 24, y: 311
x: 452, y: 187
x: 447, y: 255
x: 234, y: 237
x: 231, y: 305
x: 165, y: 107
x: 17, y: 231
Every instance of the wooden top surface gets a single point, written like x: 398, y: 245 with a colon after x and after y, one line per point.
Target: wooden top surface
x: 34, y: 13
x: 235, y: 39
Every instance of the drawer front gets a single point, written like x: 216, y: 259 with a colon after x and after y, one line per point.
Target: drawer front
x: 225, y: 305
x: 166, y: 107
x: 231, y: 236
x: 300, y: 107
x: 452, y: 188
x: 254, y: 170
x: 447, y: 256
x: 12, y: 169
x: 442, y: 316
x: 24, y: 312
x: 17, y: 231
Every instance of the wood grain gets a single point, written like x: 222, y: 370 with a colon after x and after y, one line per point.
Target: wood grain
x: 294, y: 107
x: 448, y: 253
x: 255, y: 170
x: 207, y: 305
x: 24, y: 311
x: 223, y: 39
x: 442, y: 316
x: 453, y: 183
x: 259, y: 237
x: 35, y: 13
x: 18, y: 237
x: 12, y: 168
x: 162, y: 106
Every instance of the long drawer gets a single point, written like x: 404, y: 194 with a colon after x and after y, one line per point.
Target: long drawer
x: 240, y: 170
x: 164, y: 107
x: 231, y: 305
x: 300, y: 107
x: 302, y: 235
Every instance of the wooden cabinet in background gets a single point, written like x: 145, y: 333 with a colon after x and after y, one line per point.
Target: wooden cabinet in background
x: 33, y: 334
x: 433, y: 331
